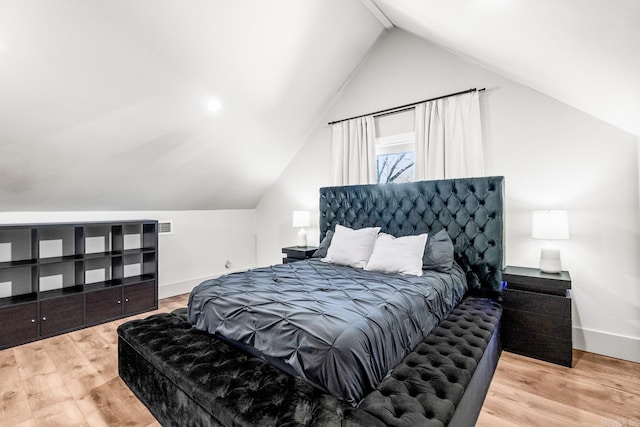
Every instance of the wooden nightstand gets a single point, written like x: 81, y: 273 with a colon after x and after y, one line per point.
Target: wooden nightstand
x: 536, y: 321
x: 297, y: 253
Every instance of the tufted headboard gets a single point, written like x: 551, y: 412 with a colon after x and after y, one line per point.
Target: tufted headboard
x: 470, y: 209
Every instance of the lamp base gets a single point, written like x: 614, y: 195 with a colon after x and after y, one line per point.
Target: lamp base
x: 550, y: 260
x: 302, y: 238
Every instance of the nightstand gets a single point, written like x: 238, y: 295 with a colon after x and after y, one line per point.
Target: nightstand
x: 536, y: 319
x: 297, y: 253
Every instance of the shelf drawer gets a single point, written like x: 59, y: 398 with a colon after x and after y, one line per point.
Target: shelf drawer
x: 140, y: 297
x: 19, y: 324
x: 102, y: 305
x: 62, y: 314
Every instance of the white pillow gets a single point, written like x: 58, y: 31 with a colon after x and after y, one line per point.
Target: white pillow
x: 351, y: 247
x: 398, y: 254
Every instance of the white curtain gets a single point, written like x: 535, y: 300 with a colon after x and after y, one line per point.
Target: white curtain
x: 449, y: 138
x: 353, y: 152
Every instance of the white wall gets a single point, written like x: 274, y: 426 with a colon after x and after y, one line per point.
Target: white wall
x: 552, y: 156
x: 201, y: 243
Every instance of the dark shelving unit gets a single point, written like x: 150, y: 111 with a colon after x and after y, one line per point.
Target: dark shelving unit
x: 59, y: 277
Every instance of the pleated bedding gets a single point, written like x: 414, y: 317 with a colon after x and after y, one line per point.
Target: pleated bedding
x: 340, y: 329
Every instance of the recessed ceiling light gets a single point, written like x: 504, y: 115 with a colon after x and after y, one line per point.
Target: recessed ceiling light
x: 213, y: 105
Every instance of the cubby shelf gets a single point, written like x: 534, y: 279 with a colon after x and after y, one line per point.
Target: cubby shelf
x: 59, y: 259
x: 59, y: 277
x: 18, y: 263
x: 55, y: 293
x: 18, y: 299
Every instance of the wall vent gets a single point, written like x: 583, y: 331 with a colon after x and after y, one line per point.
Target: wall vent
x: 165, y: 227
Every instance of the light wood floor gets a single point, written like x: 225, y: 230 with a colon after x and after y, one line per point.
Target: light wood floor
x: 72, y: 380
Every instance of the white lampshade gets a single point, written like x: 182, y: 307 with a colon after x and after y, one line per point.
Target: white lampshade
x: 550, y: 225
x: 301, y: 219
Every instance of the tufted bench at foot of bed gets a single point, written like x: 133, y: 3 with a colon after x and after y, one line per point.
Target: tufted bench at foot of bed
x: 188, y: 378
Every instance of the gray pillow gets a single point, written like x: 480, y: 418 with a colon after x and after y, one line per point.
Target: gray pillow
x: 438, y: 252
x: 324, y: 246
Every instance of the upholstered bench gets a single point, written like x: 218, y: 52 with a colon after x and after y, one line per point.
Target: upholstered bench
x: 188, y: 378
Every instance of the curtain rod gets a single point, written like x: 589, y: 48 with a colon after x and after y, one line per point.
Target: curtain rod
x: 406, y: 106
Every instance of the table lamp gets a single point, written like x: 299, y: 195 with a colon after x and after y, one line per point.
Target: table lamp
x: 301, y: 219
x: 550, y: 226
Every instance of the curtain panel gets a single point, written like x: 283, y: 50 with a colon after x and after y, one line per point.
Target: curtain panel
x: 353, y: 152
x: 449, y: 138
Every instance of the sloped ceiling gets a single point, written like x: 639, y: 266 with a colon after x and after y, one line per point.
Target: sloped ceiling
x: 106, y: 104
x: 585, y: 53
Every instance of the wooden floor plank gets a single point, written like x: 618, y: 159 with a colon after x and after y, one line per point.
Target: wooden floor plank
x: 14, y: 407
x: 72, y: 380
x: 104, y: 407
x: 100, y: 353
x: 531, y: 392
x: 61, y: 414
x: 610, y: 372
x: 137, y: 411
x: 33, y: 359
x: 79, y: 374
x: 46, y: 390
x: 14, y: 401
x: 525, y: 408
x: 9, y: 372
x: 568, y: 386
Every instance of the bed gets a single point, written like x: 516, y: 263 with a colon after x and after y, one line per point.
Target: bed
x: 440, y: 370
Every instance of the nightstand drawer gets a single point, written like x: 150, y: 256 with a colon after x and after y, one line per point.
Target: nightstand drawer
x: 297, y: 253
x: 533, y: 280
x: 532, y: 302
x: 535, y: 323
x: 538, y: 346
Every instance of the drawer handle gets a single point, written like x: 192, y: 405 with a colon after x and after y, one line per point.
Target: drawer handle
x: 33, y: 320
x: 119, y: 302
x: 126, y: 300
x: 44, y: 318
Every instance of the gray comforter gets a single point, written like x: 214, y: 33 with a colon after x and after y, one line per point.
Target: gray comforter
x: 339, y: 328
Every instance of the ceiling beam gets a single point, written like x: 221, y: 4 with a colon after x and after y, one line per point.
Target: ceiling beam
x: 375, y: 11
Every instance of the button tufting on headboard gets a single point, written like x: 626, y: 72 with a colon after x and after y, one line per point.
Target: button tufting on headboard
x: 470, y: 209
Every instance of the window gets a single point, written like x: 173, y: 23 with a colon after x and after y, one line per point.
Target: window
x: 395, y: 158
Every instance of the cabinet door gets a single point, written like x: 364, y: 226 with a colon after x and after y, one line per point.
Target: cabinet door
x: 102, y: 305
x: 140, y: 297
x: 61, y: 314
x: 18, y: 324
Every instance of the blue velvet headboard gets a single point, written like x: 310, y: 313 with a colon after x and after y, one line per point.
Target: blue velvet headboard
x: 470, y: 209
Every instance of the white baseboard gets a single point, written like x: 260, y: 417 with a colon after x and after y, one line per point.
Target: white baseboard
x: 179, y: 288
x: 618, y: 346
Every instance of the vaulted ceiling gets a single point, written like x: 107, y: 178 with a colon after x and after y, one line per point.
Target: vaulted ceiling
x: 111, y: 104
x: 585, y: 53
x: 201, y: 104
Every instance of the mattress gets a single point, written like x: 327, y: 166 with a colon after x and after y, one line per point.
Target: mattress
x: 338, y: 328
